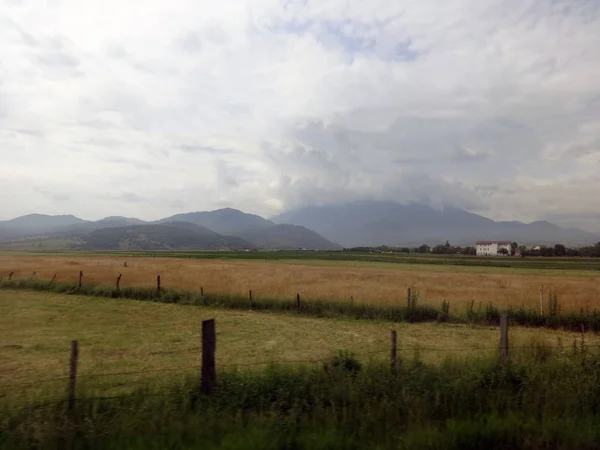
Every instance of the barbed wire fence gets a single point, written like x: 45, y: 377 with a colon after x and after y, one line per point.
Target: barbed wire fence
x: 208, y: 373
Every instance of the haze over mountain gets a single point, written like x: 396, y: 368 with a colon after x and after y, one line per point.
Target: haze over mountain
x: 372, y: 223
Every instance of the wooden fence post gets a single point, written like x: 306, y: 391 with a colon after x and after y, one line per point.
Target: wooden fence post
x: 542, y: 300
x: 33, y: 275
x: 209, y: 344
x: 503, y: 339
x: 201, y: 291
x: 52, y: 280
x: 10, y: 275
x: 394, y: 350
x: 408, y: 298
x: 80, y: 278
x: 119, y: 281
x: 158, y: 284
x: 73, y: 375
x: 251, y: 299
x: 298, y: 301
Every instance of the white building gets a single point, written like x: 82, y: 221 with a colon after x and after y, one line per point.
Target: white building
x: 492, y: 248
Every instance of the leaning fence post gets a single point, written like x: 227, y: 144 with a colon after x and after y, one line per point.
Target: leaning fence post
x: 201, y: 291
x: 394, y: 350
x: 408, y: 298
x: 209, y: 344
x: 73, y: 375
x: 158, y: 284
x: 119, y: 281
x: 542, y: 300
x: 52, y: 280
x: 298, y: 301
x: 503, y: 339
x: 80, y: 278
x: 10, y: 275
x: 251, y: 299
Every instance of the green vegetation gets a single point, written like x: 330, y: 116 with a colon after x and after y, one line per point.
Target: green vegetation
x: 138, y: 342
x: 410, y: 312
x: 447, y: 391
x: 311, y: 257
x: 540, y: 400
x: 160, y: 237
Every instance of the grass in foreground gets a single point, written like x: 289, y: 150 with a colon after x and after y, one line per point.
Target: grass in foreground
x: 117, y: 336
x: 539, y: 401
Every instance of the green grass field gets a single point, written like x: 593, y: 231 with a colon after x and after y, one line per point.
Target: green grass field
x: 118, y: 335
x: 448, y: 391
x: 449, y: 262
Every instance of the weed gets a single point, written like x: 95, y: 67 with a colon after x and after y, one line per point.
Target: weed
x: 553, y: 304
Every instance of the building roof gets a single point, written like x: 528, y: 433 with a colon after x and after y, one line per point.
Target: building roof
x: 492, y: 242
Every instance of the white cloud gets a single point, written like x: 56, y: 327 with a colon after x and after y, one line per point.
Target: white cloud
x: 152, y: 108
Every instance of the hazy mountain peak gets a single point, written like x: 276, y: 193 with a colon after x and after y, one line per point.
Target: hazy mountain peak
x: 373, y: 223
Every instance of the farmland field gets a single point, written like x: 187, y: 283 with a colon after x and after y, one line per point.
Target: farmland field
x: 363, y: 281
x: 279, y: 385
x: 117, y: 336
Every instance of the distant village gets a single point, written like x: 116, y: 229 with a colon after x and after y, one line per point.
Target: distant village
x: 490, y: 248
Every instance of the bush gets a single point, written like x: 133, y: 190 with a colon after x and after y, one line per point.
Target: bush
x: 344, y: 361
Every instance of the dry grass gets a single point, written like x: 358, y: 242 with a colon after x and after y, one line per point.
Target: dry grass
x: 372, y: 283
x: 122, y: 335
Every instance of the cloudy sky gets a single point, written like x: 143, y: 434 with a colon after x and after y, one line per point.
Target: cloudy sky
x: 150, y: 108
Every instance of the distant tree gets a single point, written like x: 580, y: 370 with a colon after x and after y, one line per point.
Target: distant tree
x: 447, y: 245
x: 513, y: 247
x: 439, y: 249
x: 523, y: 250
x: 405, y: 250
x: 572, y: 252
x: 547, y: 251
x: 424, y: 248
x: 469, y: 251
x: 503, y: 251
x: 560, y: 250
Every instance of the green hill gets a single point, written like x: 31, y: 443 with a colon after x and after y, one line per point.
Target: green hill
x: 171, y: 236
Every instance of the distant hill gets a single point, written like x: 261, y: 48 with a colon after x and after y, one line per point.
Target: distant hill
x: 262, y: 233
x: 107, y: 222
x: 235, y: 228
x: 290, y: 237
x: 170, y: 236
x: 373, y: 223
x: 35, y: 224
x: 225, y: 221
x: 366, y: 223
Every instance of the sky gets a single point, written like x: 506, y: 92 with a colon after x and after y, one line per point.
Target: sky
x: 152, y: 108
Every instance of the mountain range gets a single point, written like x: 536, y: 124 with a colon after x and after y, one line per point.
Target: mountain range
x: 210, y: 230
x: 372, y: 223
x: 327, y: 227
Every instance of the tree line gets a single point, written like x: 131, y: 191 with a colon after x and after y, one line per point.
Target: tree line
x: 558, y: 250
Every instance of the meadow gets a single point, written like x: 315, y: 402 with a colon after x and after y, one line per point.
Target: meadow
x: 118, y: 335
x: 282, y: 382
x: 363, y: 282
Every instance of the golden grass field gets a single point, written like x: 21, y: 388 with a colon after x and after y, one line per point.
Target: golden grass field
x: 118, y: 336
x: 365, y: 282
